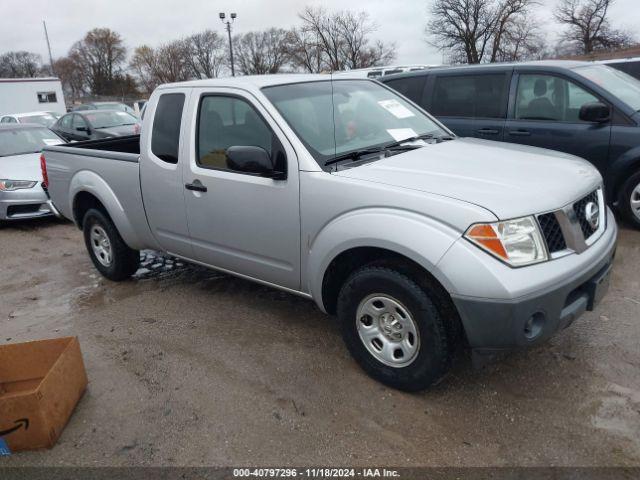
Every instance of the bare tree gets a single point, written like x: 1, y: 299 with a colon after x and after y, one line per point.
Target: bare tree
x: 70, y: 74
x: 262, y: 52
x: 588, y: 28
x: 166, y: 64
x: 145, y: 66
x: 20, y: 65
x: 207, y: 54
x: 522, y: 41
x: 337, y: 41
x: 101, y: 54
x: 305, y: 51
x: 473, y: 31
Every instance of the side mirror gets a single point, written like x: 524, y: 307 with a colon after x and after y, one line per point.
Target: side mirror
x: 83, y: 129
x: 595, y: 112
x: 253, y: 160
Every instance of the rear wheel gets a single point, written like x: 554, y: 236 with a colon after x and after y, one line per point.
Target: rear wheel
x: 630, y: 199
x: 395, y: 329
x: 111, y: 256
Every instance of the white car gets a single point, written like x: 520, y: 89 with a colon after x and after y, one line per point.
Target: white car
x: 41, y: 118
x: 21, y: 192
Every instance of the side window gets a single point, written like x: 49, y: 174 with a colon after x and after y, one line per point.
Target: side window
x: 165, y: 135
x: 224, y: 122
x: 410, y: 87
x: 66, y: 121
x: 470, y: 96
x: 78, y: 121
x: 550, y: 98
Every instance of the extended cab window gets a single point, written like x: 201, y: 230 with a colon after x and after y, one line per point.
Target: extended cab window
x: 225, y: 122
x: 165, y: 136
x: 550, y: 98
x: 481, y: 96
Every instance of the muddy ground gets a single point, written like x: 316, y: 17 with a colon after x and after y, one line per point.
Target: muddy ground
x: 192, y: 367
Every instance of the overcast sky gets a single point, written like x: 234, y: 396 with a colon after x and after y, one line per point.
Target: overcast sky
x: 156, y: 21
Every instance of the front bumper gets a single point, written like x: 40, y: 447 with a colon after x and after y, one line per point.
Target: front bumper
x: 563, y: 289
x: 24, y: 204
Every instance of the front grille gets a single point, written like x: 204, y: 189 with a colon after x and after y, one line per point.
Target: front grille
x: 552, y: 232
x: 580, y: 209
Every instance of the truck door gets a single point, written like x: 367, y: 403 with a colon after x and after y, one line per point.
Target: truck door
x: 161, y: 174
x: 545, y: 113
x: 238, y: 221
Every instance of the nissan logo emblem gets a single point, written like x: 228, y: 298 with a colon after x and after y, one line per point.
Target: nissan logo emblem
x: 592, y: 214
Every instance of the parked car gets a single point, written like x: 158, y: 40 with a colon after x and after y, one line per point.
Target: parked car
x: 92, y: 124
x: 630, y: 66
x: 138, y: 106
x: 21, y: 194
x: 581, y: 108
x: 344, y: 192
x: 46, y: 119
x: 104, y: 106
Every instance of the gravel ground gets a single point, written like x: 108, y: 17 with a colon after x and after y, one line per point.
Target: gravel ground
x: 191, y: 367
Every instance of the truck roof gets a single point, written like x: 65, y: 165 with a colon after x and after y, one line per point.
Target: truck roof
x: 251, y: 81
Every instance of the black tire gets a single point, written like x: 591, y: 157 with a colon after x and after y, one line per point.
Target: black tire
x: 436, y: 332
x: 624, y: 202
x: 124, y: 260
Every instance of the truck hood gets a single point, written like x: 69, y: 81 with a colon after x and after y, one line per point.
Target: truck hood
x: 21, y: 167
x: 509, y: 180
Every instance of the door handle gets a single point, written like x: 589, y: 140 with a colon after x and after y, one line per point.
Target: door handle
x: 196, y: 186
x: 488, y: 131
x: 520, y: 133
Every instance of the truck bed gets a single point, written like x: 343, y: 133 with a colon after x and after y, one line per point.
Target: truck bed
x: 119, y: 148
x: 109, y: 171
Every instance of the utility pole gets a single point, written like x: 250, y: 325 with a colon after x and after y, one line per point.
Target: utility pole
x: 46, y: 36
x: 228, y: 24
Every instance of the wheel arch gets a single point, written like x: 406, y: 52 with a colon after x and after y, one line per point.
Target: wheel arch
x: 88, y: 190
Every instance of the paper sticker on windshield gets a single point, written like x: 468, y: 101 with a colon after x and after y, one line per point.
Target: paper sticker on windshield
x: 395, y: 108
x: 51, y: 141
x: 400, y: 134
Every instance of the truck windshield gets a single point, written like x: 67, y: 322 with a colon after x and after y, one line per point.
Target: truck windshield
x: 110, y: 119
x: 623, y: 86
x: 335, y: 117
x: 26, y: 140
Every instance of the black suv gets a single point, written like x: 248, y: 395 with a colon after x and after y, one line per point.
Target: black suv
x: 586, y: 109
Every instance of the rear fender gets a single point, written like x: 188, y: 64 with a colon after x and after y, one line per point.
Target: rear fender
x: 90, y: 182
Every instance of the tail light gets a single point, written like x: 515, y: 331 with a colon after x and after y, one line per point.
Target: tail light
x: 136, y: 129
x: 43, y: 167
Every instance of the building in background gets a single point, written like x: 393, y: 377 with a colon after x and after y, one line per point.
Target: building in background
x: 19, y: 95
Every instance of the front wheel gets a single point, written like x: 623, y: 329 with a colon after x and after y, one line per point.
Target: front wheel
x: 111, y: 256
x: 394, y: 328
x: 630, y: 199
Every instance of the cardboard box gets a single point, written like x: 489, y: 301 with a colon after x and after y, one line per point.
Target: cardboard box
x: 40, y: 385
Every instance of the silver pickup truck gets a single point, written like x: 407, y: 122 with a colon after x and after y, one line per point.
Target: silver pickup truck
x: 345, y: 192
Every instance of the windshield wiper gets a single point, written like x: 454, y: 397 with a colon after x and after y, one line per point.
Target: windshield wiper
x: 404, y: 144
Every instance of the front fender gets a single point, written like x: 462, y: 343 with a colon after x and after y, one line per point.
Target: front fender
x: 422, y: 239
x: 90, y: 182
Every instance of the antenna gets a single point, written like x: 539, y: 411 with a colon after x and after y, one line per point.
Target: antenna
x: 46, y: 35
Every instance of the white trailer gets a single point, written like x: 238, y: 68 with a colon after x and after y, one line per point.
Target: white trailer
x: 19, y: 95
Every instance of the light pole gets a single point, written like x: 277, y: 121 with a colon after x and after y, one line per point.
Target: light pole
x: 228, y: 23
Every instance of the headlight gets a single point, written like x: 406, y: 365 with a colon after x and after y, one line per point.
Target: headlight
x: 517, y: 242
x: 11, y: 185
